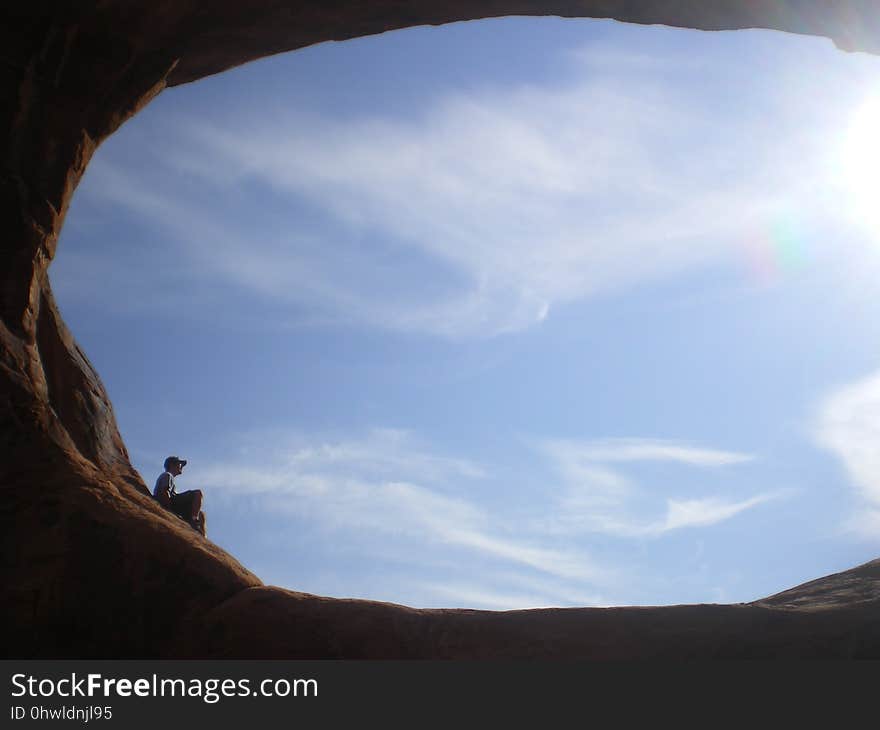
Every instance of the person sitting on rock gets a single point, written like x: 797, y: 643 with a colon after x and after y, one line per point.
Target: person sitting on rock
x: 186, y: 505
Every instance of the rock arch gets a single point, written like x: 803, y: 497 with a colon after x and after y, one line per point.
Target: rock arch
x: 91, y: 566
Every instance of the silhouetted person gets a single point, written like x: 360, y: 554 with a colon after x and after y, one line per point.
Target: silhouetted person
x: 187, y: 505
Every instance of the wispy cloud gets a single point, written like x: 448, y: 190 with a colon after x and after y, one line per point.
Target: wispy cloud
x: 379, y: 485
x: 848, y: 425
x: 624, y: 450
x: 388, y: 491
x: 475, y: 216
x: 705, y: 512
x: 599, y: 497
x: 471, y: 595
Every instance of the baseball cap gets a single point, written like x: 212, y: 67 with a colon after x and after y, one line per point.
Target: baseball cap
x: 174, y: 460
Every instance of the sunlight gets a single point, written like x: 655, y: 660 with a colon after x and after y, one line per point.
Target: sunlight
x: 861, y: 163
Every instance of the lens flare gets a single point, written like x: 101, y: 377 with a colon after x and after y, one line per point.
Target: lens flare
x: 778, y: 247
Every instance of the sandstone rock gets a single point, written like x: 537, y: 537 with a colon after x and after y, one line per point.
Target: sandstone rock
x: 91, y: 566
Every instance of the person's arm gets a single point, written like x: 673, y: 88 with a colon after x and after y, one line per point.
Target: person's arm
x: 163, y: 489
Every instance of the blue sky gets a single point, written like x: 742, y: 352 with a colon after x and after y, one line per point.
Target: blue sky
x: 503, y: 314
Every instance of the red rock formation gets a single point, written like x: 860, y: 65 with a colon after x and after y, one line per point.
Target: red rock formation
x: 91, y: 566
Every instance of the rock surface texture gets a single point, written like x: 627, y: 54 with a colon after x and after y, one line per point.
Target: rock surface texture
x: 91, y: 566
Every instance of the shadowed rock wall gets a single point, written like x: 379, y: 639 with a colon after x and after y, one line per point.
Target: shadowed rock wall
x: 91, y: 566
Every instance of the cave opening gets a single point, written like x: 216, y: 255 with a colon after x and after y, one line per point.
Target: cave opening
x: 501, y: 314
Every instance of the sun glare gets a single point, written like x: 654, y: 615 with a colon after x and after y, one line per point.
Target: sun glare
x: 861, y: 162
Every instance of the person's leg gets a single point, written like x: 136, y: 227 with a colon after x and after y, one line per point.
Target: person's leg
x: 197, y: 503
x: 187, y: 506
x: 196, y: 517
x: 180, y: 505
